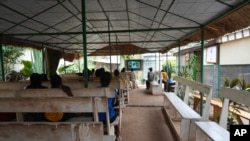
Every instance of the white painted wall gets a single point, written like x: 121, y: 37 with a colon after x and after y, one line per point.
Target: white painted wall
x: 235, y: 52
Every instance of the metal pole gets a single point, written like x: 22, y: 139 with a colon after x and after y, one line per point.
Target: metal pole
x: 159, y: 61
x: 179, y: 59
x: 116, y: 51
x: 110, y: 66
x: 219, y: 68
x: 84, y: 45
x: 155, y: 62
x: 64, y: 63
x: 1, y: 56
x: 79, y: 63
x: 202, y: 55
x: 44, y: 59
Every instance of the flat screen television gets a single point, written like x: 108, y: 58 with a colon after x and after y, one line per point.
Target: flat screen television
x: 134, y: 64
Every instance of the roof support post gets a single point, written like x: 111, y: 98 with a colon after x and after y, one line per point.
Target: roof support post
x: 64, y: 63
x: 219, y: 69
x: 110, y: 65
x: 202, y: 55
x: 1, y: 57
x: 79, y: 63
x: 159, y: 61
x: 84, y: 39
x: 44, y: 59
x: 179, y: 58
x: 116, y: 45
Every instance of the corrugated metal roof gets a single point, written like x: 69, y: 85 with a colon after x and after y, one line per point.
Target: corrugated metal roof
x: 117, y: 26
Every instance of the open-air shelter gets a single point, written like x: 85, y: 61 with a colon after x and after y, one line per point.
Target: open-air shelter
x: 117, y: 27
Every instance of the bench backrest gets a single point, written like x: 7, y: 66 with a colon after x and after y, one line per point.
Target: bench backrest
x: 202, y: 88
x: 181, y: 107
x: 56, y: 92
x: 53, y: 104
x: 55, y: 100
x: 51, y: 132
x: 14, y: 85
x: 72, y: 84
x: 229, y: 94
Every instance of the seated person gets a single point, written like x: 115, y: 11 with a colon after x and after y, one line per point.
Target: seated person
x: 105, y: 79
x: 35, y: 83
x: 133, y: 79
x: 164, y: 78
x: 116, y: 72
x: 56, y: 82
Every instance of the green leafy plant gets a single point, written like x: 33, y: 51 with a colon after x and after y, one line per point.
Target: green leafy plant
x: 27, y: 70
x: 235, y: 84
x: 169, y: 69
x: 10, y: 56
x: 63, y: 68
x: 189, y: 71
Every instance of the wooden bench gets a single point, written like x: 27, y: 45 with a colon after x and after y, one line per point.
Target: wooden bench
x: 72, y: 84
x: 124, y: 87
x: 217, y: 104
x: 155, y: 87
x: 58, y: 103
x: 59, y: 131
x: 77, y: 87
x: 218, y: 132
x: 97, y: 98
x: 82, y: 92
x: 179, y: 113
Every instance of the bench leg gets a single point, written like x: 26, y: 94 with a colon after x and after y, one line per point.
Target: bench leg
x: 185, y: 129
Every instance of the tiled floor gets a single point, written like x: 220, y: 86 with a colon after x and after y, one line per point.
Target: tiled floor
x: 143, y: 119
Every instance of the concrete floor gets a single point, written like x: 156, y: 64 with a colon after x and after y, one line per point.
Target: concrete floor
x: 143, y: 119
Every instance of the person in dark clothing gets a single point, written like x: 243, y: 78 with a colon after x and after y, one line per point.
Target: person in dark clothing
x: 44, y: 77
x: 35, y: 83
x: 123, y: 70
x: 99, y: 72
x: 105, y: 79
x: 150, y: 78
x: 56, y: 82
x: 116, y: 72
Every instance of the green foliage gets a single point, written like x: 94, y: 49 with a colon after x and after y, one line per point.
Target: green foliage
x: 27, y: 70
x: 185, y: 72
x: 37, y: 59
x: 243, y: 85
x: 169, y: 68
x: 10, y: 56
x: 236, y: 84
x: 226, y: 82
x: 62, y: 69
x: 189, y: 71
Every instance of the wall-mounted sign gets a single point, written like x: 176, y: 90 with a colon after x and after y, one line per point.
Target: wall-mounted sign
x: 211, y: 54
